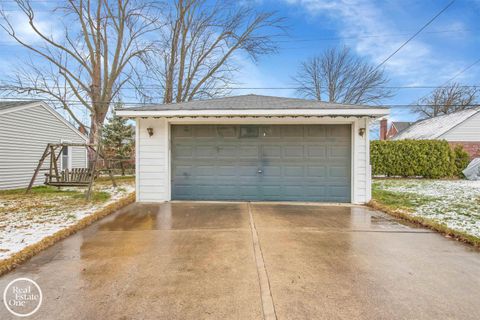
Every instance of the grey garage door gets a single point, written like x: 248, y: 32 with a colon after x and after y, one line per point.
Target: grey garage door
x: 261, y: 162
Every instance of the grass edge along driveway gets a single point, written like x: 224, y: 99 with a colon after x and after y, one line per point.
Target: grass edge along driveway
x: 451, y: 207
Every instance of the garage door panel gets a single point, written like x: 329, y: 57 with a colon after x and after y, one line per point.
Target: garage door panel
x: 248, y: 152
x: 338, y: 131
x: 316, y: 132
x: 249, y: 190
x: 316, y: 152
x: 338, y: 172
x: 227, y: 131
x: 270, y: 132
x: 226, y: 171
x: 273, y: 190
x: 182, y: 131
x: 272, y: 152
x: 304, y: 163
x: 338, y: 152
x: 292, y: 132
x: 293, y: 152
x: 205, y: 151
x: 205, y: 171
x: 316, y: 171
x: 293, y: 171
x: 182, y: 151
x: 204, y: 131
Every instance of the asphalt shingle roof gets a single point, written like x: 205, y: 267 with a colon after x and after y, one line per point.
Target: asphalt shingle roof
x: 4, y: 105
x: 435, y: 127
x: 401, y: 125
x: 249, y: 102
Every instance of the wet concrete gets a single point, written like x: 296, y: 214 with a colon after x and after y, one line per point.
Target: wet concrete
x: 196, y: 261
x: 354, y: 263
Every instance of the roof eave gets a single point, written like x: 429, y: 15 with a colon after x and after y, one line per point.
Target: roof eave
x: 370, y: 112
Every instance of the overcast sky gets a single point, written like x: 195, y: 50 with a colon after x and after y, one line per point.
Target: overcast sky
x: 373, y: 29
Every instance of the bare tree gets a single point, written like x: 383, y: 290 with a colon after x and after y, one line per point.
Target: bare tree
x: 86, y: 67
x: 446, y: 100
x: 339, y: 76
x: 195, y: 56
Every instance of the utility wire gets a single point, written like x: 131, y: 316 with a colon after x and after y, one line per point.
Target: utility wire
x: 8, y: 86
x: 134, y: 103
x: 365, y: 36
x: 414, y: 35
x: 462, y: 71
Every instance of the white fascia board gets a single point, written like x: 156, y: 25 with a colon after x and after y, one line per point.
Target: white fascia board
x: 256, y: 112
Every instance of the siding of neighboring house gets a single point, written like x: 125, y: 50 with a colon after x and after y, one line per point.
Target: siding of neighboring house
x: 153, y: 159
x: 468, y: 130
x: 24, y: 134
x: 466, y: 134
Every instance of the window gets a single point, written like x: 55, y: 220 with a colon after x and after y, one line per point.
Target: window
x: 248, y: 131
x: 66, y: 157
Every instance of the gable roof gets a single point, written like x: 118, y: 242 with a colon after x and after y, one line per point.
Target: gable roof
x: 401, y: 125
x: 435, y: 127
x: 11, y: 106
x: 246, y: 105
x: 5, y: 105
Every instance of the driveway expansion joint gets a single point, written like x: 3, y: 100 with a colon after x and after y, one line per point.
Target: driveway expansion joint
x: 268, y: 307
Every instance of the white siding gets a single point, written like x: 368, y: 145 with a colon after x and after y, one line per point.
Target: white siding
x: 153, y: 155
x: 152, y: 169
x: 361, y: 163
x: 24, y: 134
x: 468, y: 130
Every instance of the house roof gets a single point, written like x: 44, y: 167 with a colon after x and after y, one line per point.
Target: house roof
x: 4, y: 105
x: 401, y: 125
x: 249, y: 104
x: 435, y: 127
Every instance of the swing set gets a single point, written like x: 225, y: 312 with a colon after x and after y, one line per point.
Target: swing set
x: 77, y: 177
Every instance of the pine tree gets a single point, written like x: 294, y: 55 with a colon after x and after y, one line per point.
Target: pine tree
x: 118, y: 140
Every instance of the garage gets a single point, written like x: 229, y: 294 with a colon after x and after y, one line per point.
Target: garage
x: 261, y: 162
x: 253, y: 148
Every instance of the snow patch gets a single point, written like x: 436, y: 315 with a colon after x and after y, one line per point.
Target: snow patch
x: 20, y: 230
x: 454, y: 203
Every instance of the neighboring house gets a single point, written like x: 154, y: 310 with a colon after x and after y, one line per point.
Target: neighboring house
x: 459, y: 128
x: 253, y: 147
x: 397, y: 127
x: 26, y: 127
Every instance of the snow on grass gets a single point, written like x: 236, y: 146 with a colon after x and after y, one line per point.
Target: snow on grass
x: 454, y: 203
x: 27, y: 219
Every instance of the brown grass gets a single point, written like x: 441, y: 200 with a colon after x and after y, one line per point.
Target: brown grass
x: 427, y: 223
x: 28, y: 252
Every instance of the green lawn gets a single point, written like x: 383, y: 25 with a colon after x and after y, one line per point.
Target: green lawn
x: 449, y: 206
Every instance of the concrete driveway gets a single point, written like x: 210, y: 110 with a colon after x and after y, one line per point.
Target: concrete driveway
x: 192, y: 260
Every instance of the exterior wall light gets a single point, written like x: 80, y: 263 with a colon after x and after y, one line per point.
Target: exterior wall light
x: 361, y: 132
x: 150, y: 131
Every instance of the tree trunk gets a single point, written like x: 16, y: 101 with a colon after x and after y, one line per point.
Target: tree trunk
x: 96, y: 124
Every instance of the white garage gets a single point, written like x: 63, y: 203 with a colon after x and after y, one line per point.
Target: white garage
x: 253, y: 148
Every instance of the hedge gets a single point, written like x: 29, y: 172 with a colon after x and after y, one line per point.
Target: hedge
x: 413, y: 158
x: 462, y: 159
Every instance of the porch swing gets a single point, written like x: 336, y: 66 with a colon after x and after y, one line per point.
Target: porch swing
x: 76, y: 177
